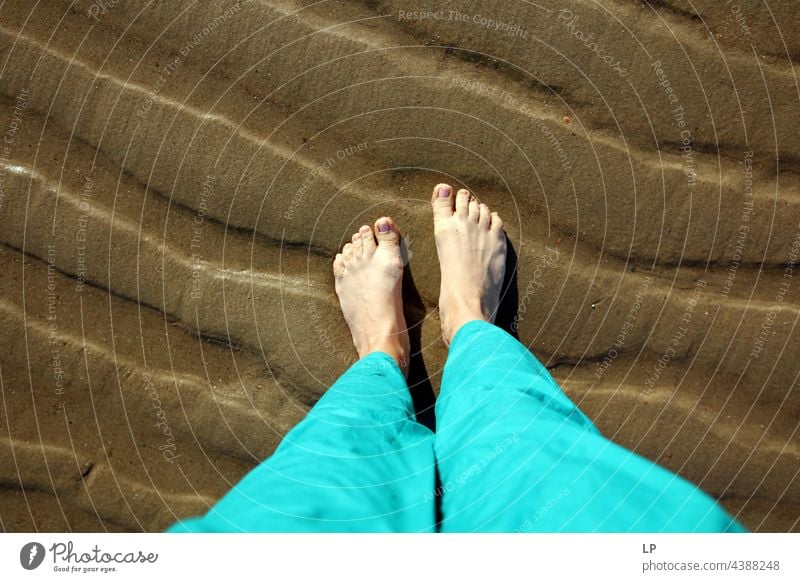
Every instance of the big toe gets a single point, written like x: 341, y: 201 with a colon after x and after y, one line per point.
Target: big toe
x: 386, y: 233
x: 442, y: 201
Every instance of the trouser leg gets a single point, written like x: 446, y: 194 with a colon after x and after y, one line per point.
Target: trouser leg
x: 516, y: 454
x: 358, y: 462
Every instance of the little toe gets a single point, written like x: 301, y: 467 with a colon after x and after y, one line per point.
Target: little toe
x: 497, y: 224
x: 462, y: 203
x: 442, y: 201
x: 338, y: 265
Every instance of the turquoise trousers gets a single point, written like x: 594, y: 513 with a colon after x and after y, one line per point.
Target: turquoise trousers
x: 512, y: 451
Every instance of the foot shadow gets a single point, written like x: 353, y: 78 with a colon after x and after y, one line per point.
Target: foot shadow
x: 507, y: 318
x: 418, y: 382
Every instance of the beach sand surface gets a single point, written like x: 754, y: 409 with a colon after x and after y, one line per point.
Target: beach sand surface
x: 177, y: 178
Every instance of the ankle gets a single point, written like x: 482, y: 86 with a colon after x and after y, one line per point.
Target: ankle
x: 391, y: 345
x: 460, y: 316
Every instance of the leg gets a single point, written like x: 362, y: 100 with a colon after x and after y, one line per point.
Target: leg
x: 358, y: 461
x: 514, y: 453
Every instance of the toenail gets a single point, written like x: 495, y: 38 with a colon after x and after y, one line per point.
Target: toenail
x: 364, y: 229
x: 444, y: 191
x: 383, y: 227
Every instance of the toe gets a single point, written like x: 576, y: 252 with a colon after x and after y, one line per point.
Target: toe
x: 486, y: 216
x: 474, y: 209
x: 497, y: 224
x: 442, y: 201
x: 358, y: 247
x: 367, y: 240
x: 347, y: 253
x: 462, y: 203
x: 386, y: 232
x: 338, y: 265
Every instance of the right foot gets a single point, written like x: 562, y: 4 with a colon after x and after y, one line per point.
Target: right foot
x: 472, y: 254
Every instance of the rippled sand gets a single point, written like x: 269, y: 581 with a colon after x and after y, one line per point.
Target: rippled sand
x: 175, y: 180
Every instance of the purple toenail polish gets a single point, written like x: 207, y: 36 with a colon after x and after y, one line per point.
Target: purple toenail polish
x: 444, y: 191
x: 383, y: 227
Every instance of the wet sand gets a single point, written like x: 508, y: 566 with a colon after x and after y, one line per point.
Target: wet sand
x: 176, y: 179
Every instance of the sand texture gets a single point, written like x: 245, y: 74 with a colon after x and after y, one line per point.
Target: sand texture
x: 176, y: 178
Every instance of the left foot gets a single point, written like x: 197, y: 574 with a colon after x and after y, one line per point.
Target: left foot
x: 368, y: 275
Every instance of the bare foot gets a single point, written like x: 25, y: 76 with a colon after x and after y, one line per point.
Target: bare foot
x: 368, y: 277
x: 472, y: 254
